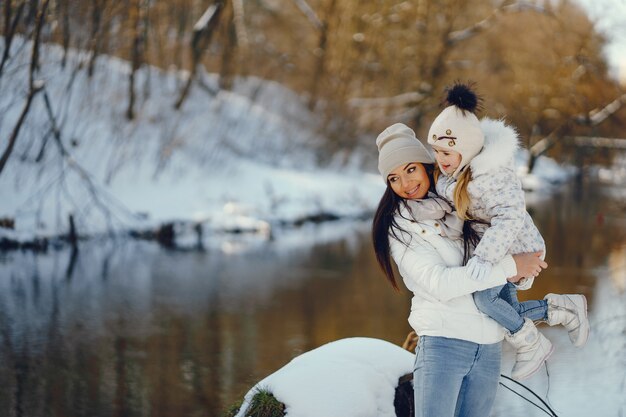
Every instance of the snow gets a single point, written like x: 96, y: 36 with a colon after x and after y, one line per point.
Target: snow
x: 347, y: 377
x: 582, y: 381
x: 241, y: 160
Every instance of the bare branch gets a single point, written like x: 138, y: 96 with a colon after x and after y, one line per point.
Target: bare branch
x: 9, y: 30
x: 34, y: 86
x: 100, y: 198
x: 34, y: 62
x: 547, y: 142
x: 595, y: 117
x: 209, y: 14
x: 202, y: 32
x: 401, y: 100
x: 309, y: 13
x: 240, y: 27
x: 16, y: 130
x: 598, y: 142
x: 464, y: 34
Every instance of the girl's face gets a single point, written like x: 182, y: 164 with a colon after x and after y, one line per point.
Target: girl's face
x: 409, y: 181
x: 448, y: 160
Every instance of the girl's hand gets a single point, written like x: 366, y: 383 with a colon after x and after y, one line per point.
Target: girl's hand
x: 528, y: 264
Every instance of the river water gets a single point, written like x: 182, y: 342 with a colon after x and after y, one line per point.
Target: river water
x: 131, y: 329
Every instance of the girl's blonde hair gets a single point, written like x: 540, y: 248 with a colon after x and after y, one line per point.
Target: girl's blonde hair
x: 461, y: 196
x: 462, y: 202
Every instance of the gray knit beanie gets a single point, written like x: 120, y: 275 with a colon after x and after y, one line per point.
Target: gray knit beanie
x: 398, y: 145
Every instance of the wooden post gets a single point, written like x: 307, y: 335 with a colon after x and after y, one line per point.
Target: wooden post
x: 198, y: 229
x: 72, y: 236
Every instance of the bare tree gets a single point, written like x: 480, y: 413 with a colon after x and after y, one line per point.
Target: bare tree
x: 202, y: 33
x: 34, y: 85
x: 11, y: 18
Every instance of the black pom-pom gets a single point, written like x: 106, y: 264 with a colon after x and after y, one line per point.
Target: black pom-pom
x: 462, y: 96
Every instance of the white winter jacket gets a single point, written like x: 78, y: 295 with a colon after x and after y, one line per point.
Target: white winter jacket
x: 442, y: 302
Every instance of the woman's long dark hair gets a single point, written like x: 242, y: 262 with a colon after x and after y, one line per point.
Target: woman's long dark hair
x: 385, y: 224
x: 470, y: 239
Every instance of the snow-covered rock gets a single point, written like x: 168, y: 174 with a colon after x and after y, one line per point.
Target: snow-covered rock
x: 349, y: 377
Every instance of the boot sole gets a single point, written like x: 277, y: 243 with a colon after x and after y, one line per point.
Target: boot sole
x: 534, y: 371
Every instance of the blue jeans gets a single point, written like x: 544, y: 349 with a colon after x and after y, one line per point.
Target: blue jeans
x: 454, y: 377
x: 501, y: 304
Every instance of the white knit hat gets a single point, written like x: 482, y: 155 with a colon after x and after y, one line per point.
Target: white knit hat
x: 457, y: 128
x: 398, y: 145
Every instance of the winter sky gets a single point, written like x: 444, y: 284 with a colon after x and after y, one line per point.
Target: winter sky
x: 610, y: 16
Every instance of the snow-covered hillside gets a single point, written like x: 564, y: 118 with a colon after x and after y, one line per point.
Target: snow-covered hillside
x: 231, y: 160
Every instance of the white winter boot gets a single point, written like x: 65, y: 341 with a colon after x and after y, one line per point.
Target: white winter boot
x: 570, y: 310
x: 533, y: 349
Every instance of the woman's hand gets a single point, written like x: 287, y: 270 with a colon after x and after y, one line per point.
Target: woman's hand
x: 528, y: 264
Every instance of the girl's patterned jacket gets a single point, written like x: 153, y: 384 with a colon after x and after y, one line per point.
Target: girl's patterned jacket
x: 497, y: 200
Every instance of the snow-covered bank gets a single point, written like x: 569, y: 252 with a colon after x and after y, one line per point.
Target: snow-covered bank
x: 235, y: 160
x: 232, y: 161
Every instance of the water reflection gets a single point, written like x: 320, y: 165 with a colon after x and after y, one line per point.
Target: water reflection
x: 135, y: 330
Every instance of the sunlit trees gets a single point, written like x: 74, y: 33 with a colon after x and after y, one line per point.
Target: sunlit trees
x: 367, y: 64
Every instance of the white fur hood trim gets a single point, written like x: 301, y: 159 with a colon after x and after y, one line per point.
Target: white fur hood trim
x: 501, y: 143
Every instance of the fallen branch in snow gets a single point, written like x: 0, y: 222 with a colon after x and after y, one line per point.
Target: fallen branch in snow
x: 100, y: 198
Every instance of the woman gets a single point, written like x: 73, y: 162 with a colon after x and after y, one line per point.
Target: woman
x: 457, y: 364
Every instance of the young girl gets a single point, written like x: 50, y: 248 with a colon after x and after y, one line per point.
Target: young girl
x: 475, y: 159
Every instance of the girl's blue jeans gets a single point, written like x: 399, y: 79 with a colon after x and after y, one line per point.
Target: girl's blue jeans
x: 454, y: 377
x: 501, y: 304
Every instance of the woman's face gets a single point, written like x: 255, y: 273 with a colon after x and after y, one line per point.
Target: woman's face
x: 448, y: 160
x: 409, y: 181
